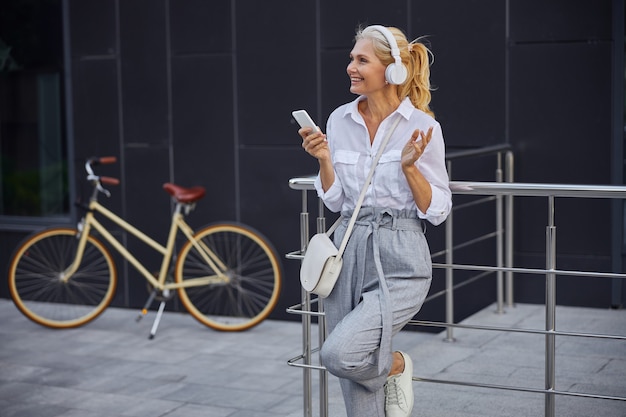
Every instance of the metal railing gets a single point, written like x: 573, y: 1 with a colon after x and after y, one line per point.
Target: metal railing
x: 550, y: 192
x: 305, y: 184
x: 497, y: 190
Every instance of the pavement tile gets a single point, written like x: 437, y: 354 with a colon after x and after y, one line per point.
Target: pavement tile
x: 109, y: 368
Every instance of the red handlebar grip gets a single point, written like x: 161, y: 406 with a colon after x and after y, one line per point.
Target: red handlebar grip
x: 109, y: 180
x: 107, y: 159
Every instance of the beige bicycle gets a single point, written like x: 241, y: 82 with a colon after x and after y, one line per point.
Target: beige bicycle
x: 227, y: 275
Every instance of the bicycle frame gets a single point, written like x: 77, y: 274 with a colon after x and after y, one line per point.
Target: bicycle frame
x: 178, y: 223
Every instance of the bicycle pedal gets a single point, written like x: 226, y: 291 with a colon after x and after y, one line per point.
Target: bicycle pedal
x: 141, y: 315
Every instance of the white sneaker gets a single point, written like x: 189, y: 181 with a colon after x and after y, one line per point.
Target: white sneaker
x: 399, y: 391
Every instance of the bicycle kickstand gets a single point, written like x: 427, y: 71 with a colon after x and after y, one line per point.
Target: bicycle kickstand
x: 157, y: 320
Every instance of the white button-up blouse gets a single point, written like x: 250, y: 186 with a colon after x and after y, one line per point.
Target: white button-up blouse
x: 352, y: 156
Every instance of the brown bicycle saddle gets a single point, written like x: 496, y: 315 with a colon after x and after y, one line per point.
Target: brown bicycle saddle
x: 183, y: 194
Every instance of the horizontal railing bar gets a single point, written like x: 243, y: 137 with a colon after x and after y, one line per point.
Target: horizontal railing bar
x: 298, y: 254
x: 531, y: 270
x: 509, y: 188
x: 471, y: 280
x: 304, y: 312
x: 457, y: 207
x: 483, y: 150
x: 302, y: 365
x: 522, y: 389
x: 297, y: 309
x: 313, y: 301
x: 427, y: 323
x: 292, y: 362
x: 475, y: 240
x: 302, y: 183
x: 457, y: 286
x: 538, y: 189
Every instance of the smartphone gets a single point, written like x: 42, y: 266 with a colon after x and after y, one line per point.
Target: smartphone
x: 304, y: 120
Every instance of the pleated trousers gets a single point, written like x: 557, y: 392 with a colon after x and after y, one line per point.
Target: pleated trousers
x: 385, y: 278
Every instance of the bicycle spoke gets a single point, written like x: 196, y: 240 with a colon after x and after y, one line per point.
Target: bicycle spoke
x: 41, y: 291
x: 252, y: 272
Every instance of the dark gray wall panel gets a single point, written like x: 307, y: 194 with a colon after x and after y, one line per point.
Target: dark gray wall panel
x: 93, y: 27
x: 560, y: 125
x: 559, y: 98
x: 144, y: 72
x: 467, y: 40
x: 199, y: 26
x: 560, y: 119
x: 203, y: 143
x: 339, y: 20
x: 276, y: 64
x: 95, y: 98
x: 335, y: 81
x: 148, y: 209
x: 560, y: 20
x: 96, y: 121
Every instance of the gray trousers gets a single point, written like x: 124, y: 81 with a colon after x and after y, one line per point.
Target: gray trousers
x: 384, y: 280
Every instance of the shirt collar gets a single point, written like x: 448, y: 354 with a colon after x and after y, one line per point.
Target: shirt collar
x: 405, y: 108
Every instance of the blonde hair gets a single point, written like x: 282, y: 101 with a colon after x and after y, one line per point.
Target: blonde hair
x: 415, y: 56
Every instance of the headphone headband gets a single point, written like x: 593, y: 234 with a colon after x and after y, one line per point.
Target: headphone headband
x: 395, y: 73
x: 395, y: 51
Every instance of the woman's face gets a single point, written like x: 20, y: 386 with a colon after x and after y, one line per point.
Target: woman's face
x: 366, y: 72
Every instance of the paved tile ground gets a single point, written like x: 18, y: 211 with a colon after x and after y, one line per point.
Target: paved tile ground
x: 109, y: 368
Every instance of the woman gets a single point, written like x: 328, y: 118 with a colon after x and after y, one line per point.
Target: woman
x: 386, y: 270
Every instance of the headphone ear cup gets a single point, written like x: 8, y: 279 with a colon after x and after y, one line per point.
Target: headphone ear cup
x: 396, y: 74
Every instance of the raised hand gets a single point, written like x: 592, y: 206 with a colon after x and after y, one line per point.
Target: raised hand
x: 415, y: 147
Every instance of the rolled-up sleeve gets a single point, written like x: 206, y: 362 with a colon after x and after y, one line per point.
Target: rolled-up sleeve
x: 432, y: 165
x: 333, y: 198
x: 440, y: 206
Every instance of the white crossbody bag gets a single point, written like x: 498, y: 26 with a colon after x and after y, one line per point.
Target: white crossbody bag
x: 323, y: 260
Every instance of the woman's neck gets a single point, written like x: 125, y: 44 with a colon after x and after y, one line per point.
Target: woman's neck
x: 377, y: 108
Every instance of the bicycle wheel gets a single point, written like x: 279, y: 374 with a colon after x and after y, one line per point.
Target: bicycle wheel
x: 253, y: 278
x: 39, y: 290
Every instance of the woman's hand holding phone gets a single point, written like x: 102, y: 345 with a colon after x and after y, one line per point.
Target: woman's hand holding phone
x: 313, y: 140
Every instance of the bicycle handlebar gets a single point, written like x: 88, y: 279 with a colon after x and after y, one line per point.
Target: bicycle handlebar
x: 109, y: 181
x: 102, y: 160
x: 98, y: 180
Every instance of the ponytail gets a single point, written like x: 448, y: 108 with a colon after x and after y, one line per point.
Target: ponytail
x: 417, y: 85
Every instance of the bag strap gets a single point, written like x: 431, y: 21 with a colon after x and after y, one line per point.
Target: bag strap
x: 359, y: 202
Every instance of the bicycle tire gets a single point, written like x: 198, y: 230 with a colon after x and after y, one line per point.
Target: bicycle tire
x: 253, y: 271
x: 39, y: 293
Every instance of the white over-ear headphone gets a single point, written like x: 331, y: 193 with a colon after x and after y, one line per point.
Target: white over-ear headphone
x: 396, y: 73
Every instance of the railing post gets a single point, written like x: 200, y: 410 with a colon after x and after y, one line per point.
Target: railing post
x: 449, y: 271
x: 550, y: 310
x: 306, y: 318
x: 321, y: 323
x: 509, y: 231
x: 499, y: 241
